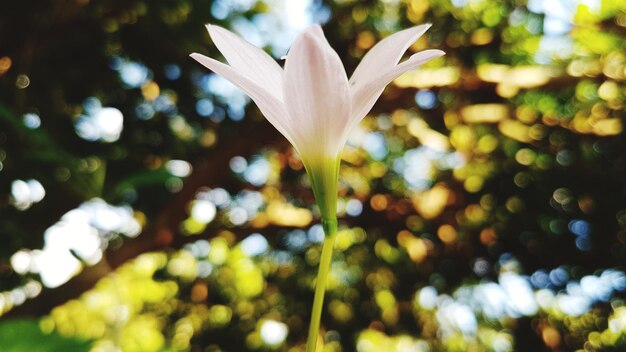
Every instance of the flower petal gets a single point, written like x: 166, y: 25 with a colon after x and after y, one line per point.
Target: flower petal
x: 272, y: 108
x: 386, y: 53
x: 316, y: 93
x: 249, y: 60
x: 365, y: 94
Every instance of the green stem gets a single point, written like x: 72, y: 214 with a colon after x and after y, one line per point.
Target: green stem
x: 330, y: 230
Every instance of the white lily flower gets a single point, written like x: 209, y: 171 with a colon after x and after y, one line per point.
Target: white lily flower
x: 314, y: 105
x: 311, y: 101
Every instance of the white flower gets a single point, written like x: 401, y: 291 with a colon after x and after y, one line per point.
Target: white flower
x: 311, y: 101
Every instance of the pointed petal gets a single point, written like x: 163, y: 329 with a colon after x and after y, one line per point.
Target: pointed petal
x: 364, y: 95
x: 316, y: 93
x: 317, y: 31
x: 249, y: 60
x: 387, y: 53
x: 272, y: 108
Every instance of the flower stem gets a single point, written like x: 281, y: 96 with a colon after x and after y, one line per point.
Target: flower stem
x: 330, y: 231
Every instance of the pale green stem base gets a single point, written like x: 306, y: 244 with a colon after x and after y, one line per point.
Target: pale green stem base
x: 330, y: 231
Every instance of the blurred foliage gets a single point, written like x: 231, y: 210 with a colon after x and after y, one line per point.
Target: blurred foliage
x: 26, y: 335
x: 146, y: 206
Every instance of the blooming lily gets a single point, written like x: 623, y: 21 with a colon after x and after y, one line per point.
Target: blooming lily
x: 315, y: 106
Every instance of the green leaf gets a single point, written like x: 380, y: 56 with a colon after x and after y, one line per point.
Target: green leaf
x: 25, y: 335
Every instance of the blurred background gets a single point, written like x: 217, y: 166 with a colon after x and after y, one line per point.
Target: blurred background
x: 146, y: 205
